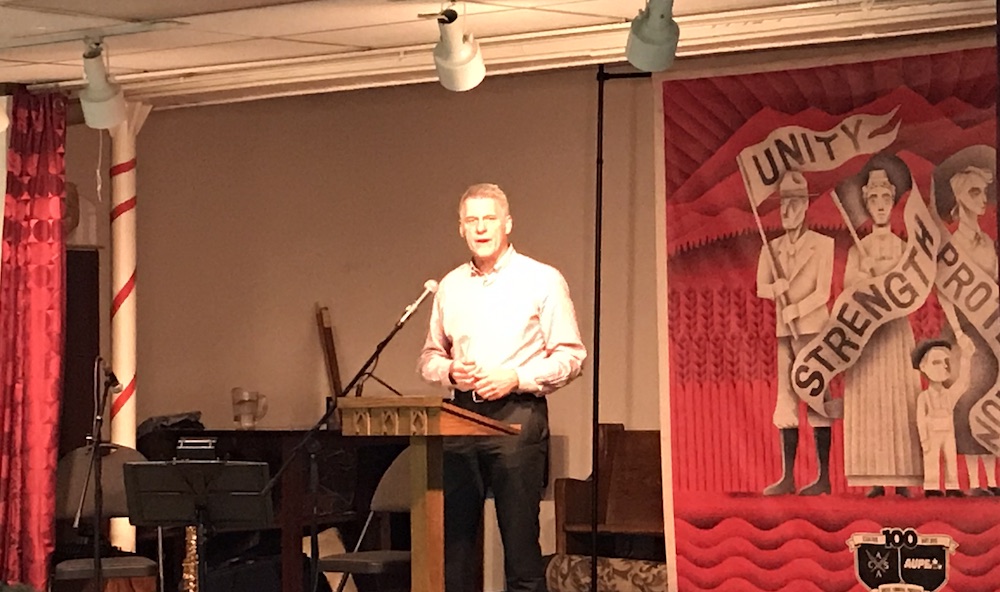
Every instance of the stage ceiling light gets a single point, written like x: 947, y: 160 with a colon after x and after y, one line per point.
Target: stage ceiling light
x: 652, y: 42
x: 457, y: 57
x: 102, y: 101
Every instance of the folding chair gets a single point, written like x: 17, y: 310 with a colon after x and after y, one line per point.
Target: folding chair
x: 391, y: 495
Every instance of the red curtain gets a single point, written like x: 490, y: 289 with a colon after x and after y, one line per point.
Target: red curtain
x: 32, y: 305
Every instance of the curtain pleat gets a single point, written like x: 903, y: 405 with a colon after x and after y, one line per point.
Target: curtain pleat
x: 32, y: 319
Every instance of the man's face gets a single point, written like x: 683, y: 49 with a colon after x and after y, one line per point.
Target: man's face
x: 879, y: 203
x: 793, y: 211
x: 484, y: 225
x: 973, y: 199
x: 936, y: 364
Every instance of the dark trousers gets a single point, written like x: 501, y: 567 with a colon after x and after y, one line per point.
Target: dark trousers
x: 514, y: 469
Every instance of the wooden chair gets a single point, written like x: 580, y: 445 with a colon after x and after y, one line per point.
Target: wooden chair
x: 629, y: 502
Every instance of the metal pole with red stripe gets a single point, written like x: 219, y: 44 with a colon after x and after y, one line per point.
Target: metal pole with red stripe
x: 123, y: 278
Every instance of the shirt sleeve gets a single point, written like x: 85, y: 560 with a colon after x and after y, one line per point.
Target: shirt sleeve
x: 434, y: 364
x: 562, y: 360
x: 765, y: 277
x: 962, y: 381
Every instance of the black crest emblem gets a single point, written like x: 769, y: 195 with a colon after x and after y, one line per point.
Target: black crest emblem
x: 901, y: 560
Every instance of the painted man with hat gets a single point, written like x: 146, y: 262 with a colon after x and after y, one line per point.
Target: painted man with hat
x: 881, y: 445
x: 795, y: 270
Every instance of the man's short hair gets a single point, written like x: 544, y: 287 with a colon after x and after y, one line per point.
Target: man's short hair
x: 926, y: 346
x: 485, y: 190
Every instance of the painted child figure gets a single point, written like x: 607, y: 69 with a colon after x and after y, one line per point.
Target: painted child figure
x: 936, y: 407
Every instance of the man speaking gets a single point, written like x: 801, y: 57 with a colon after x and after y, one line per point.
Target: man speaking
x: 503, y: 334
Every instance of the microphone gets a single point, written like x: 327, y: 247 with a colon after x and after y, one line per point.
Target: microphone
x: 430, y: 287
x: 111, y: 380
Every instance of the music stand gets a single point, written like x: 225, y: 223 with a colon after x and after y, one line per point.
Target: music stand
x: 223, y: 495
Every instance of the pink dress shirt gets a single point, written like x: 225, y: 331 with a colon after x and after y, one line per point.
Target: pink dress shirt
x: 518, y: 316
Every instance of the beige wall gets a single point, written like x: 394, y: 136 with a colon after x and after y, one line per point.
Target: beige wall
x: 249, y: 214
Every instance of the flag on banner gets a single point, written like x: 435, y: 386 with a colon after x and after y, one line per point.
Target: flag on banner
x: 802, y: 149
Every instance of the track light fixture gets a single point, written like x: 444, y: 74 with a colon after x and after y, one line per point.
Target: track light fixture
x: 102, y: 101
x: 652, y: 42
x: 457, y: 57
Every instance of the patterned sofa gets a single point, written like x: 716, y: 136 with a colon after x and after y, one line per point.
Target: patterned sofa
x: 571, y: 573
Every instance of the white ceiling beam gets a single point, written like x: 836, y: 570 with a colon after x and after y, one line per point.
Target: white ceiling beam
x: 807, y: 23
x: 79, y: 35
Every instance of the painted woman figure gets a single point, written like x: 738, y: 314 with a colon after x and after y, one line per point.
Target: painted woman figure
x: 881, y: 444
x: 967, y: 204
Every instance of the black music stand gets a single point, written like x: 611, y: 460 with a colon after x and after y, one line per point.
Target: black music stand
x: 215, y: 494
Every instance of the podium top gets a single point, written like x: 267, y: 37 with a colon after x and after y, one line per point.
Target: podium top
x: 416, y: 416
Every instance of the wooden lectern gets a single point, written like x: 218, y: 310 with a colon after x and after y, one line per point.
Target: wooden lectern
x: 425, y: 420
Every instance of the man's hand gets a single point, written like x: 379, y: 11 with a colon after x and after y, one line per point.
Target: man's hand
x: 868, y: 265
x: 965, y: 344
x: 463, y: 374
x: 790, y: 313
x: 779, y: 287
x: 496, y: 384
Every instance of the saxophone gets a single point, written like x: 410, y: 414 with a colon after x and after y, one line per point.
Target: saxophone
x: 189, y: 579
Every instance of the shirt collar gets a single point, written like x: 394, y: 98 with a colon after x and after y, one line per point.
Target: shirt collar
x: 791, y: 247
x: 972, y: 236
x: 500, y: 264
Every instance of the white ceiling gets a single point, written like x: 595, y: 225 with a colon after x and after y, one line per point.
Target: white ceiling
x: 181, y: 52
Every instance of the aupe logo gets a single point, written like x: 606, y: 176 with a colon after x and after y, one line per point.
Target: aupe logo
x: 901, y: 559
x: 922, y: 563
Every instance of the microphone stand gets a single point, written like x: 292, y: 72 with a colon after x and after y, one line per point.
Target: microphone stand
x: 96, y: 468
x: 311, y: 433
x: 383, y: 383
x: 314, y: 526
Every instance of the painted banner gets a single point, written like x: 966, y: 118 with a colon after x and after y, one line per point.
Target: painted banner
x: 803, y: 149
x: 833, y: 319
